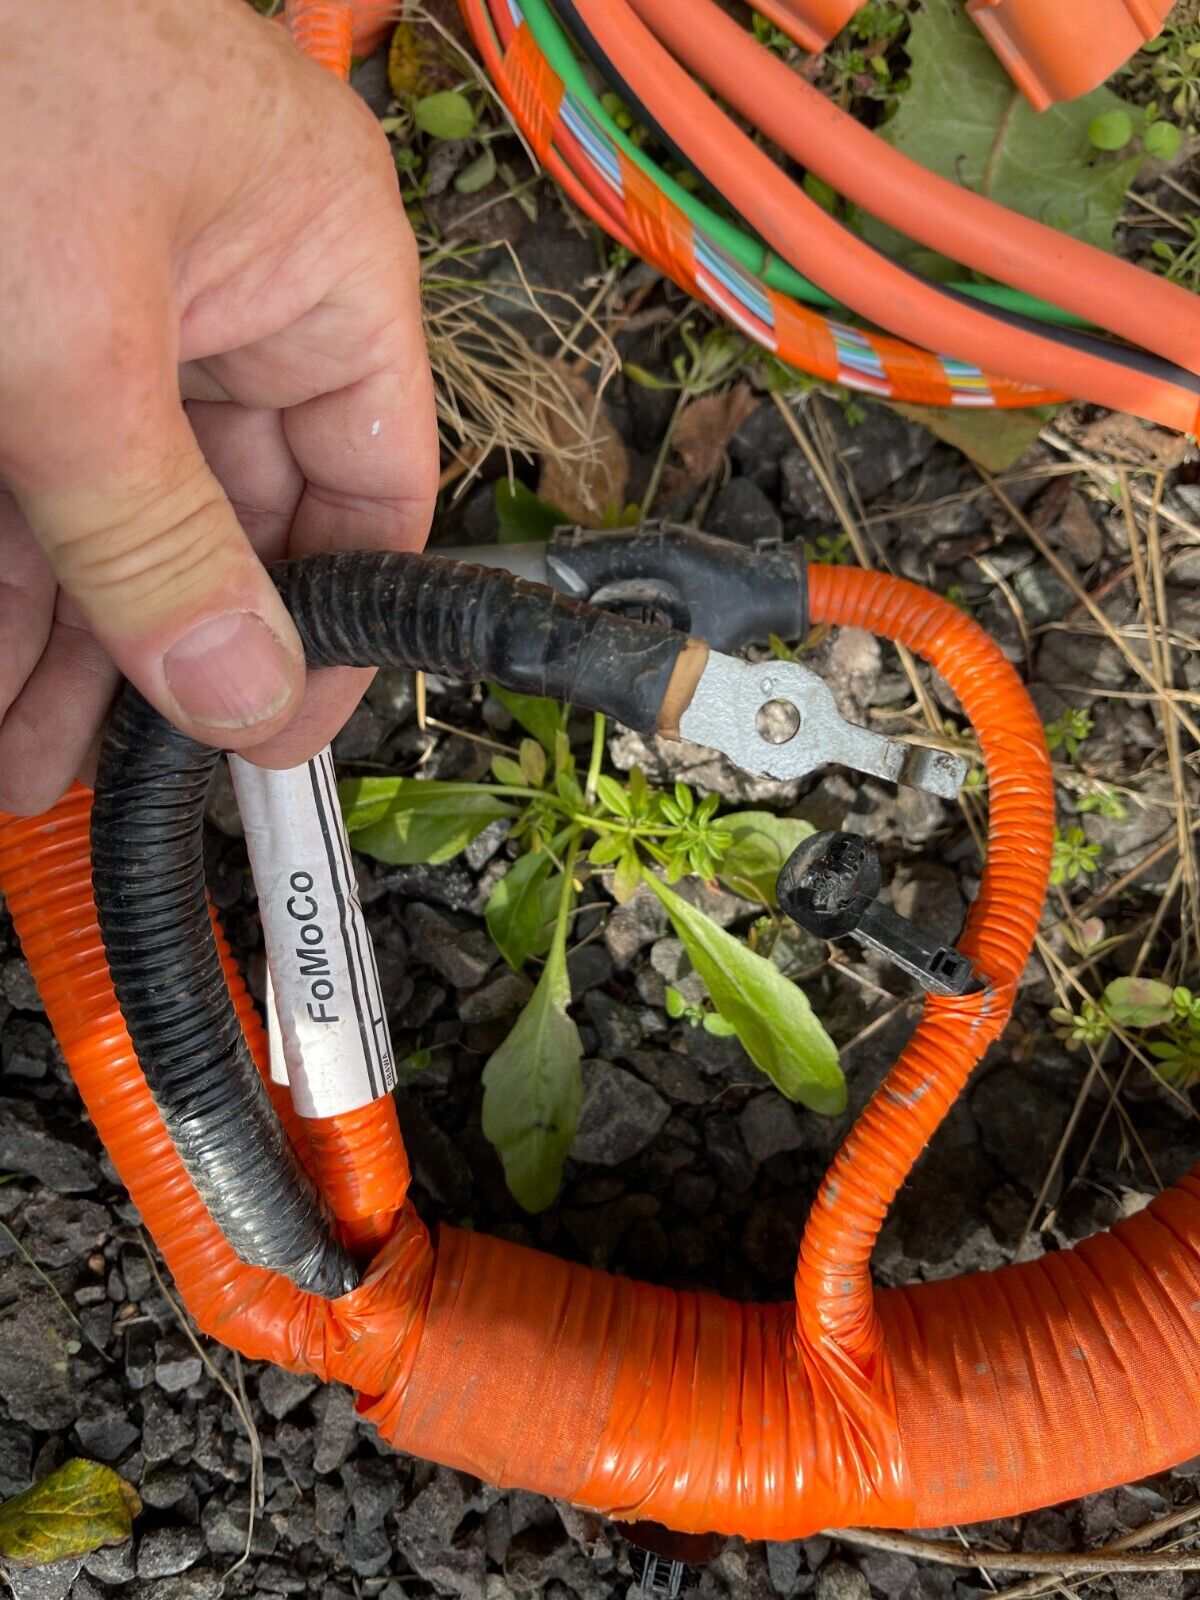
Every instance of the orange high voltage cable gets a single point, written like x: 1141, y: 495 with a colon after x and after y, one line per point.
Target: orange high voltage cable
x: 942, y: 1403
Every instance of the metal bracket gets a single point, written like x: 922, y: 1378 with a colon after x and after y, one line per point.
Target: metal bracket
x: 736, y: 709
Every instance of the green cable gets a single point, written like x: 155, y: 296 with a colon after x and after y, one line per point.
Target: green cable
x: 747, y: 251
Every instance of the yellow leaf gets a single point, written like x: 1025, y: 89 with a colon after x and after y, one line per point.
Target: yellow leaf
x: 77, y: 1509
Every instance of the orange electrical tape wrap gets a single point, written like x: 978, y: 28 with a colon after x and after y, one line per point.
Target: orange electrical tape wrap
x: 943, y: 1403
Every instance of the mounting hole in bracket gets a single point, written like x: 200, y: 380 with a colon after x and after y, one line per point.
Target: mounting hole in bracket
x: 777, y: 721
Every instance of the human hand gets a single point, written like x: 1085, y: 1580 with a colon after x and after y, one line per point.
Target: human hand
x: 188, y: 207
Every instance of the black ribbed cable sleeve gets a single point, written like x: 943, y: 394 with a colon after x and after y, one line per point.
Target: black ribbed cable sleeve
x: 464, y: 623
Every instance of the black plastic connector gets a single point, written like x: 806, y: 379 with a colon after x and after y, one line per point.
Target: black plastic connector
x: 830, y: 885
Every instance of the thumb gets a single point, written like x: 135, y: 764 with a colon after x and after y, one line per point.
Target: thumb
x: 144, y: 538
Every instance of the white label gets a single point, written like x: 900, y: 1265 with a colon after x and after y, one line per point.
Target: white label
x: 276, y: 1061
x: 332, y: 1024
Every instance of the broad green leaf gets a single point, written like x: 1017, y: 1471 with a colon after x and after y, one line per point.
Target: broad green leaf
x: 523, y: 517
x: 532, y: 1088
x: 1162, y: 139
x: 79, y: 1508
x: 772, y: 1017
x: 995, y: 439
x: 676, y: 1004
x: 720, y: 1027
x: 963, y: 118
x: 762, y: 842
x: 1111, y: 130
x: 609, y: 847
x: 421, y: 820
x: 508, y: 772
x: 448, y: 114
x: 1139, y: 1002
x: 544, y: 719
x: 514, y: 910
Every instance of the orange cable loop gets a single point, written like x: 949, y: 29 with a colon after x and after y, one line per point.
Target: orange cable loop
x: 945, y: 1402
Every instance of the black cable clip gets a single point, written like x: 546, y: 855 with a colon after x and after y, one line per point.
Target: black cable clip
x: 830, y: 884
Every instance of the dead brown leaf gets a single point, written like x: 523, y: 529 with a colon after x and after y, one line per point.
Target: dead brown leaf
x: 592, y: 474
x: 1128, y: 441
x: 704, y: 429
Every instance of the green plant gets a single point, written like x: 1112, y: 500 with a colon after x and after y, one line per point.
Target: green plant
x: 861, y: 62
x: 567, y: 827
x: 1068, y: 731
x: 1104, y: 800
x: 1171, y: 1013
x: 1168, y: 68
x: 1072, y: 856
x: 681, y: 1010
x: 831, y: 548
x: 1089, y: 1025
x: 1180, y: 263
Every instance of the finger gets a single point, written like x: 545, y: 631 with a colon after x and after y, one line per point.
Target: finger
x: 248, y: 454
x: 140, y: 533
x: 27, y: 591
x: 49, y: 729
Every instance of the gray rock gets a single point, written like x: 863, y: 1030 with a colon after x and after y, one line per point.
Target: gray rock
x: 18, y: 987
x: 164, y: 1552
x: 838, y: 1580
x: 785, y: 1562
x: 225, y: 1527
x: 431, y: 1517
x: 103, y: 1427
x: 330, y: 1505
x: 281, y: 1392
x: 672, y: 1075
x: 112, y: 1565
x: 36, y: 1345
x: 164, y: 1487
x: 60, y: 1229
x: 742, y: 512
x: 1075, y: 661
x: 486, y: 843
x: 447, y: 885
x: 619, y: 1116
x: 928, y: 894
x: 769, y: 1125
x: 27, y: 1047
x: 271, y: 1578
x: 1125, y: 840
x: 617, y: 1025
x: 1147, y: 1585
x: 392, y: 694
x: 337, y: 1427
x: 176, y: 1364
x: 165, y: 1431
x: 728, y: 1154
x: 31, y: 1144
x: 599, y: 1229
x: 361, y: 736
x: 758, y: 445
x: 201, y: 1583
x: 463, y: 955
x: 1043, y: 595
x: 632, y: 926
x: 141, y: 1339
x: 1020, y: 1120
x: 589, y: 966
x: 50, y: 1582
x: 888, y: 1572
x: 16, y: 1459
x: 460, y: 1572
x: 503, y: 996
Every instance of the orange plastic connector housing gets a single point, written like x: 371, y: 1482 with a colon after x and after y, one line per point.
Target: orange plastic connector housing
x: 1057, y: 52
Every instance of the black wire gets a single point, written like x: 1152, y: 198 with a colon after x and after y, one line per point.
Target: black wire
x: 1131, y: 357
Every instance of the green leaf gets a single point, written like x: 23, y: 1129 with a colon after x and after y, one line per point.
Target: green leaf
x: 627, y: 876
x: 523, y: 516
x: 406, y: 821
x: 544, y: 719
x: 720, y: 1027
x: 609, y: 847
x: 762, y: 842
x: 1139, y: 1002
x: 533, y: 763
x: 772, y: 1017
x: 1111, y: 130
x: 675, y: 1003
x: 532, y: 1088
x: 79, y: 1508
x: 445, y: 115
x: 477, y: 174
x: 514, y: 910
x: 963, y: 118
x: 613, y: 797
x: 1162, y: 139
x: 509, y: 772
